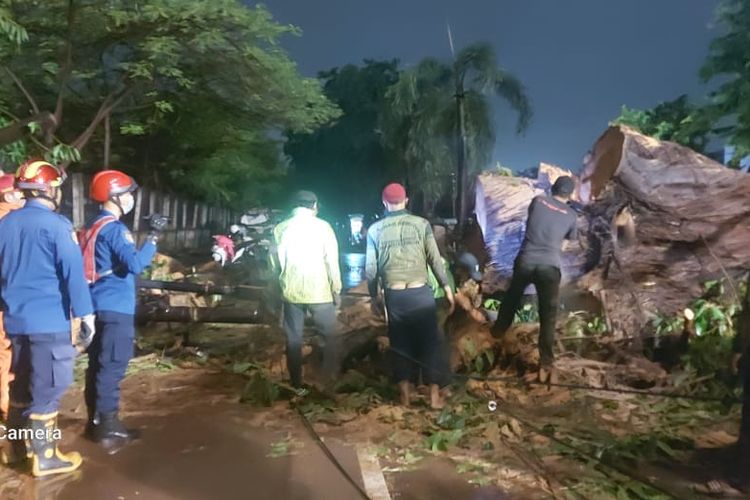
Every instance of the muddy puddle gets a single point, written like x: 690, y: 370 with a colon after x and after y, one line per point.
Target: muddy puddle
x: 194, y: 446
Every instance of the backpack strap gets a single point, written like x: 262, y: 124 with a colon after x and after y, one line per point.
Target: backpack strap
x: 88, y: 247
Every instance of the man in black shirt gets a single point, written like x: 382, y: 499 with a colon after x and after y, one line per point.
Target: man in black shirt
x: 550, y: 221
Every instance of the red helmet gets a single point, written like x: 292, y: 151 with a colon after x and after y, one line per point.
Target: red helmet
x: 7, y: 183
x: 39, y: 175
x: 109, y: 183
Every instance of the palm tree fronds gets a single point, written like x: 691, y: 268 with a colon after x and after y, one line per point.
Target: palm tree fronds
x: 512, y: 90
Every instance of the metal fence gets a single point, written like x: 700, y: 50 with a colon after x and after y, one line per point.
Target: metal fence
x: 191, y: 226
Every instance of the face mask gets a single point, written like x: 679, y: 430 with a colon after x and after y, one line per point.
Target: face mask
x: 127, y: 205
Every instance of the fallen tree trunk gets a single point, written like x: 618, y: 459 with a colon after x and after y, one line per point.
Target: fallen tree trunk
x: 665, y: 219
x: 184, y: 286
x: 249, y: 315
x: 240, y: 291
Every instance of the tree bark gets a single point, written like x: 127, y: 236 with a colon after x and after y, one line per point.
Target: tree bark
x: 65, y: 72
x: 108, y: 105
x: 107, y: 140
x: 24, y: 91
x: 691, y: 220
x: 17, y: 130
x: 184, y: 314
x: 658, y: 221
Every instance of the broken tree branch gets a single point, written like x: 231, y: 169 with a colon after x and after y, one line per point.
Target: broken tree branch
x: 23, y: 89
x: 17, y: 130
x: 107, y: 140
x: 67, y: 67
x: 109, y: 103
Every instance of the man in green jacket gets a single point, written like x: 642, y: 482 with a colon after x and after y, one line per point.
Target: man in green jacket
x: 310, y: 281
x: 399, y: 249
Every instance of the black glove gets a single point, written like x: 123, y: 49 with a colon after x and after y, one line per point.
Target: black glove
x: 156, y: 223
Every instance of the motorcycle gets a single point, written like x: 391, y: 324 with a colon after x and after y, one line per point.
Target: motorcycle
x: 226, y: 252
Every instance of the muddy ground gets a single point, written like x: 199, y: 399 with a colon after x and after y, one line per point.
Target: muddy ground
x: 208, y: 434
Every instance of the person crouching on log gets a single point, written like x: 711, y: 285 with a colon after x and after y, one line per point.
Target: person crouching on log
x: 469, y: 290
x: 399, y: 249
x: 550, y: 221
x: 111, y: 262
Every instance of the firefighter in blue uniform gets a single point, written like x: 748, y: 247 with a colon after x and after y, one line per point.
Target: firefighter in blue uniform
x: 42, y: 289
x: 111, y: 263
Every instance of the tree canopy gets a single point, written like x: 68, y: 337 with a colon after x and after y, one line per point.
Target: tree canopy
x: 194, y: 95
x: 729, y: 61
x: 346, y: 163
x: 677, y: 120
x: 421, y: 120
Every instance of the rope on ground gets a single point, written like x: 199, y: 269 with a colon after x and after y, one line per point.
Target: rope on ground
x: 329, y: 454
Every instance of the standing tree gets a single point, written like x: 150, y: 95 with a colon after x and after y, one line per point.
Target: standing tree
x: 346, y: 162
x: 677, y: 121
x: 421, y: 121
x: 130, y: 75
x: 729, y: 59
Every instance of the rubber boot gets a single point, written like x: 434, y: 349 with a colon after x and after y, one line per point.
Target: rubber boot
x: 109, y: 431
x: 15, y: 450
x: 46, y: 458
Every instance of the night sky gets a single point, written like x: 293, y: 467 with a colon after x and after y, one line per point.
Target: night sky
x: 580, y: 60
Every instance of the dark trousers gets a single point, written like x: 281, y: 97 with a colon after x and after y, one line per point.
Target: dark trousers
x: 43, y: 369
x: 546, y: 280
x: 324, y: 319
x: 416, y: 341
x: 109, y: 355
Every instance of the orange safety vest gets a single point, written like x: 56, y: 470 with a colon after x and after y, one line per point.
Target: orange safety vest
x: 87, y: 240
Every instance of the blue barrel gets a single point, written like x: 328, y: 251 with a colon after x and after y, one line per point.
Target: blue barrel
x: 352, y: 269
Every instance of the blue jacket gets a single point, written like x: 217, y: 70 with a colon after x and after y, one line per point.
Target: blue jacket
x: 41, y: 272
x: 118, y: 262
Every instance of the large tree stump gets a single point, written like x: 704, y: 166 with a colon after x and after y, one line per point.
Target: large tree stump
x: 666, y: 220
